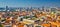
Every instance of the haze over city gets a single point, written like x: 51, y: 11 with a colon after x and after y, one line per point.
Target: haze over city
x: 30, y: 3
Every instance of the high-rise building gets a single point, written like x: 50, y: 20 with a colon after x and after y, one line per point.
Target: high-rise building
x: 27, y: 9
x: 53, y: 9
x: 7, y: 9
x: 38, y: 9
x: 43, y: 8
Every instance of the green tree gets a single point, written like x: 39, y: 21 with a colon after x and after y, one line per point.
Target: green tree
x: 1, y: 25
x: 26, y: 17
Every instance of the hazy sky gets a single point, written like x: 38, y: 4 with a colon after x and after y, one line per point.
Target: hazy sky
x: 29, y: 3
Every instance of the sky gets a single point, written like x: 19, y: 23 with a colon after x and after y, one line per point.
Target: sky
x: 30, y: 3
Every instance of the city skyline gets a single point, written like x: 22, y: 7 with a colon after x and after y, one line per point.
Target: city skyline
x: 30, y: 3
